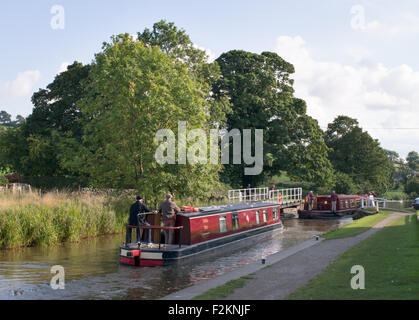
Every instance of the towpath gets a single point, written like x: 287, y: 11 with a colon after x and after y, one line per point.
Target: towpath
x: 283, y: 272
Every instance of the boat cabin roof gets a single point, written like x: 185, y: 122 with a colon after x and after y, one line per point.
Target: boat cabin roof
x: 341, y: 196
x: 239, y: 206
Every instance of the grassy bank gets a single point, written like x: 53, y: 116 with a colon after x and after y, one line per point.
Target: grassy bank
x: 390, y: 259
x: 33, y: 219
x: 356, y: 227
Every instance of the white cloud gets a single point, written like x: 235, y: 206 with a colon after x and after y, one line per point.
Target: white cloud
x: 23, y: 84
x: 63, y: 67
x: 210, y: 54
x: 380, y: 97
x: 406, y: 23
x: 15, y: 95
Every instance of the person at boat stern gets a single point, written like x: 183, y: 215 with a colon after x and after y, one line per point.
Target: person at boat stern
x: 333, y: 199
x: 311, y: 197
x: 169, y: 209
x: 137, y: 218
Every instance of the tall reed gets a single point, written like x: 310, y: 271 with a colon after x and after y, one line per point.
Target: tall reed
x: 34, y: 219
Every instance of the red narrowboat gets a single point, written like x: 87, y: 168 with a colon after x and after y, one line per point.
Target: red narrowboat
x: 201, y: 229
x: 346, y: 205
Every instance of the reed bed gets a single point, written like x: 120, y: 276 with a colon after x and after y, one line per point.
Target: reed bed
x: 33, y: 219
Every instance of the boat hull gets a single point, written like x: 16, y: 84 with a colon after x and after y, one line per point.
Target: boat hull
x: 144, y: 256
x: 325, y: 214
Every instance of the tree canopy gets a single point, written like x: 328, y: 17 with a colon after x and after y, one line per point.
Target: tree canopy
x: 355, y: 153
x: 97, y: 123
x: 413, y: 160
x: 260, y: 90
x: 134, y: 91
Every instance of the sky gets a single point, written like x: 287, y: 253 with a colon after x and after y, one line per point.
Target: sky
x: 355, y: 58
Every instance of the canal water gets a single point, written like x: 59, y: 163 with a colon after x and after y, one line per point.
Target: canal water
x: 92, y: 269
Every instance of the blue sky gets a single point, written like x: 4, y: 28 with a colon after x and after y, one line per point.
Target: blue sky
x: 357, y: 58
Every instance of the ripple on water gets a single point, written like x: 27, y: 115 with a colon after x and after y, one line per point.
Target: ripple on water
x: 92, y: 270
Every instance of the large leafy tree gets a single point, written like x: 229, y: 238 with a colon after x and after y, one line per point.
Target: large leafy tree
x: 412, y: 187
x: 413, y: 160
x: 134, y: 91
x: 355, y: 153
x: 177, y: 44
x: 5, y: 118
x: 260, y: 90
x: 56, y: 107
x: 33, y: 148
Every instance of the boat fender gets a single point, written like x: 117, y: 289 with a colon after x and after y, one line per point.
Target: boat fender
x: 134, y: 253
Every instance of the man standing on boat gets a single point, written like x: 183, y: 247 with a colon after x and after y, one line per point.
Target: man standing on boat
x: 334, y: 199
x: 137, y: 218
x: 169, y: 209
x: 311, y: 197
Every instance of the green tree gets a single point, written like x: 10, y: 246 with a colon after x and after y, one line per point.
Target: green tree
x: 413, y: 160
x: 5, y: 118
x: 355, y: 153
x: 3, y: 179
x: 177, y: 44
x: 134, y: 91
x: 32, y: 149
x: 393, y: 156
x: 260, y: 90
x: 56, y: 107
x: 341, y: 126
x: 344, y: 184
x: 412, y: 187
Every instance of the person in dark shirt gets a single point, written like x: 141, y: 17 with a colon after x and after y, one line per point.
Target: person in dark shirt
x: 334, y: 198
x: 137, y: 218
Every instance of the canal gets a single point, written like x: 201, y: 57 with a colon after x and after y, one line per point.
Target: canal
x: 92, y: 270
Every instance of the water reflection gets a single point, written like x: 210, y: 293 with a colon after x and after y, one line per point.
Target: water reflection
x: 92, y: 270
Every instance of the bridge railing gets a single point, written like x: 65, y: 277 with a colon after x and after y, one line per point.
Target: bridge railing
x: 286, y: 195
x: 264, y: 194
x: 251, y: 194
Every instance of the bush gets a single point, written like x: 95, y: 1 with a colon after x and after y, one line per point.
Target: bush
x: 3, y: 180
x: 412, y: 187
x: 344, y: 184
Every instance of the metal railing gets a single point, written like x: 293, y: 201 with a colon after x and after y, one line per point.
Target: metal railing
x: 264, y: 194
x: 138, y: 228
x: 251, y: 194
x: 285, y: 196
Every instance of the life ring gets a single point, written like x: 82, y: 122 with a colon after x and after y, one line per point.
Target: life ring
x: 279, y: 197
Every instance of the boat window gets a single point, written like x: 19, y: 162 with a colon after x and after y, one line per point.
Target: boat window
x: 347, y: 203
x: 257, y: 217
x: 352, y: 203
x: 341, y: 204
x: 223, y: 224
x: 265, y: 215
x: 235, y: 220
x: 275, y: 213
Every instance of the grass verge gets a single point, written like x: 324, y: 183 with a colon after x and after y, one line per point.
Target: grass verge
x: 390, y: 259
x: 224, y: 290
x: 356, y: 227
